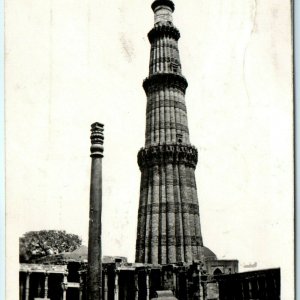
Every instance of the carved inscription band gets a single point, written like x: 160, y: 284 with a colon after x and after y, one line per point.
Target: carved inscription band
x: 166, y: 80
x: 189, y: 183
x: 156, y: 208
x: 164, y: 154
x: 163, y: 30
x: 177, y: 126
x: 164, y: 240
x: 165, y: 60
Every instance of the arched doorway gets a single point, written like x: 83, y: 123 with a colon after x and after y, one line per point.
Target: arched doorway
x: 217, y: 271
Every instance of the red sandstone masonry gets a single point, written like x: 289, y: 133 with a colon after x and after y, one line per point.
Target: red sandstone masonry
x: 169, y: 211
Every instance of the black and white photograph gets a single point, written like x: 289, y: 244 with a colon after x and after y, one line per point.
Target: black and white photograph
x: 149, y: 150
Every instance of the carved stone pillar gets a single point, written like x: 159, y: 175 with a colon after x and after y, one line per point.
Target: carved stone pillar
x: 21, y: 289
x: 27, y: 285
x: 200, y: 286
x: 105, y: 284
x: 64, y: 285
x: 187, y: 284
x: 116, y: 285
x: 175, y: 281
x: 46, y: 285
x: 250, y: 287
x: 242, y: 289
x: 204, y: 285
x: 39, y: 287
x: 81, y: 285
x: 136, y: 284
x: 147, y: 284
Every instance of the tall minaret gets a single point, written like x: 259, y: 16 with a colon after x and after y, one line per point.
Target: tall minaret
x: 168, y: 228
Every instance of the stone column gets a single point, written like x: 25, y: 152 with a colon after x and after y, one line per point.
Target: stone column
x: 27, y: 285
x: 174, y: 281
x: 147, y: 284
x: 105, y: 285
x: 116, y: 285
x: 204, y: 290
x: 177, y: 283
x: 136, y: 284
x: 250, y: 289
x: 94, y: 275
x: 21, y: 288
x: 46, y: 285
x: 39, y: 287
x: 65, y: 285
x: 201, y: 282
x: 187, y: 283
x: 81, y: 285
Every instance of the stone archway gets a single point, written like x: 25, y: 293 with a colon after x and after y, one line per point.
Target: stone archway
x: 217, y: 271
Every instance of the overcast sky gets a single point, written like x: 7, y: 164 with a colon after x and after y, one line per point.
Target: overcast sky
x: 71, y: 63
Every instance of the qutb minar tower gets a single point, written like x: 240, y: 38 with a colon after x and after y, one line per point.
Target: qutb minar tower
x: 168, y: 218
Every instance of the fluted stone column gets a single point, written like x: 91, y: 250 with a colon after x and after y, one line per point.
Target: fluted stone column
x: 64, y: 285
x: 94, y: 275
x: 147, y: 284
x: 116, y: 295
x: 81, y: 285
x: 177, y: 287
x: 136, y: 285
x: 187, y: 283
x: 168, y: 218
x: 105, y: 284
x: 27, y: 285
x: 174, y: 281
x: 21, y: 288
x: 46, y: 285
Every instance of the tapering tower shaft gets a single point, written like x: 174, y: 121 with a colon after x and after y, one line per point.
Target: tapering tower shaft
x: 168, y: 218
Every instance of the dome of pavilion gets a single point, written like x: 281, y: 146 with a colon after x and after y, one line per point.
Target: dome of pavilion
x: 208, y: 254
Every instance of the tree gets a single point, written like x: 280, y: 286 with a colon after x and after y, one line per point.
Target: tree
x: 36, y: 244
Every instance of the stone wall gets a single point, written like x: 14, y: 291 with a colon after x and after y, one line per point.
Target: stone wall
x: 127, y: 281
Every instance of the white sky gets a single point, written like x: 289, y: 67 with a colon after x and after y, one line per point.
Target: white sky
x: 71, y: 63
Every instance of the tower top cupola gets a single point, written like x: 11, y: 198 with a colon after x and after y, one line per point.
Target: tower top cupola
x: 163, y: 10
